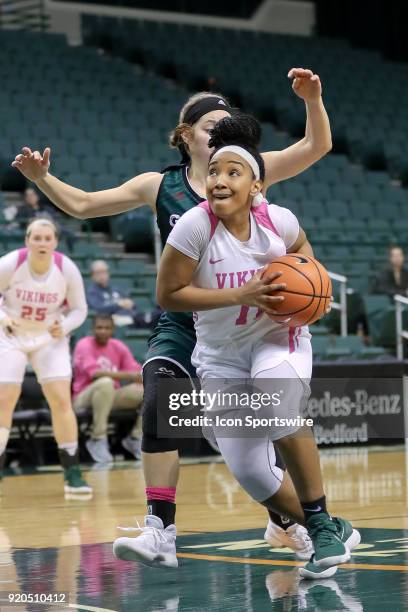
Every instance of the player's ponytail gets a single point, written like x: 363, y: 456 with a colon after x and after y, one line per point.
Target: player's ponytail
x: 241, y: 130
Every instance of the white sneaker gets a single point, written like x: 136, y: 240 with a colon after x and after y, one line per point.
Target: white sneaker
x: 99, y: 450
x: 133, y: 446
x: 294, y: 537
x: 155, y: 546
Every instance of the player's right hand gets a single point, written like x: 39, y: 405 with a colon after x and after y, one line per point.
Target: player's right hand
x: 10, y: 326
x: 259, y: 291
x: 33, y: 165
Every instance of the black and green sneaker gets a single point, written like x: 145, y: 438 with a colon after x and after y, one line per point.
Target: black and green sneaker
x: 74, y: 482
x: 329, y: 547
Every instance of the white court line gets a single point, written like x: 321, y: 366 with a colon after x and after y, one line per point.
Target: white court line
x: 74, y: 606
x: 90, y: 608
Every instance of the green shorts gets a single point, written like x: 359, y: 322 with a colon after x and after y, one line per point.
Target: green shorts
x: 174, y: 340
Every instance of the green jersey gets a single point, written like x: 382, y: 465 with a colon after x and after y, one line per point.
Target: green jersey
x: 175, y: 197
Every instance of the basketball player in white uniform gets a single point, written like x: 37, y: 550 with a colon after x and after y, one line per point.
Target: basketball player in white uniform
x: 213, y: 265
x: 43, y: 301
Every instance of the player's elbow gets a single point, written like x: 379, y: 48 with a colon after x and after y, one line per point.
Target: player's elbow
x: 323, y: 148
x: 167, y: 299
x: 163, y: 297
x: 80, y: 208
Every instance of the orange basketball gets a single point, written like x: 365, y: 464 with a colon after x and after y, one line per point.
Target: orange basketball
x: 308, y: 289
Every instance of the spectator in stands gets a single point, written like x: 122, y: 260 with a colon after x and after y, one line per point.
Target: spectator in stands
x: 393, y: 279
x: 8, y: 213
x: 32, y: 207
x: 100, y: 364
x: 105, y: 298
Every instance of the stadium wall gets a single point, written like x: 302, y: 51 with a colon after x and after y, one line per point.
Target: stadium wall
x: 279, y: 16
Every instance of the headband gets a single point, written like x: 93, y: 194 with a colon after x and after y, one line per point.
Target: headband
x: 259, y: 198
x: 204, y: 106
x: 249, y: 158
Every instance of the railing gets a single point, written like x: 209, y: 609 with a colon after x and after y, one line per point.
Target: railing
x: 23, y: 15
x: 402, y: 334
x: 342, y: 304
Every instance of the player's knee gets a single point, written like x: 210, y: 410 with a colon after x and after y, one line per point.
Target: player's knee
x: 152, y: 444
x: 260, y: 482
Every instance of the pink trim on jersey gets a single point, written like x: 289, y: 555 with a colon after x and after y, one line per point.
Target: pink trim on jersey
x: 22, y: 256
x: 262, y: 217
x: 299, y: 329
x: 292, y: 331
x: 213, y: 219
x: 58, y: 257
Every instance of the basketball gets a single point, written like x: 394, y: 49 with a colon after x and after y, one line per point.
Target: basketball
x: 308, y: 289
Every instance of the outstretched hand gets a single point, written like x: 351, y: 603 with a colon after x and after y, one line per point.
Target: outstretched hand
x: 33, y: 165
x: 305, y: 84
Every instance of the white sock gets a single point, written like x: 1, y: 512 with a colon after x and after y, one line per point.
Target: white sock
x: 4, y: 436
x: 70, y: 447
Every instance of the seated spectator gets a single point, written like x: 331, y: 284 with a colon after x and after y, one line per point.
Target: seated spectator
x: 100, y: 364
x: 393, y: 279
x: 8, y: 213
x: 105, y: 298
x: 32, y: 206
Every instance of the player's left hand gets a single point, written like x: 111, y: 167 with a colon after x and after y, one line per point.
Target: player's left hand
x: 305, y: 84
x: 56, y: 330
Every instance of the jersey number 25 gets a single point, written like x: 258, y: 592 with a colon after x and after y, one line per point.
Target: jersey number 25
x: 35, y: 314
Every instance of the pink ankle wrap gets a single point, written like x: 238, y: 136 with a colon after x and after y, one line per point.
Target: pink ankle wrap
x: 162, y: 493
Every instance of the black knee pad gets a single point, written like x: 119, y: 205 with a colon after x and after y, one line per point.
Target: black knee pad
x: 153, y: 371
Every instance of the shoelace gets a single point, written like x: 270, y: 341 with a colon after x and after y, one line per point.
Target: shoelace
x: 157, y: 533
x: 324, y: 533
x: 301, y: 538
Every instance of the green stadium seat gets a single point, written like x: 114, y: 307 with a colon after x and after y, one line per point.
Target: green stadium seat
x: 138, y: 348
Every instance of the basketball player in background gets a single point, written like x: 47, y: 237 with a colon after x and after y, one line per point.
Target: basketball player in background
x: 43, y: 301
x: 170, y: 194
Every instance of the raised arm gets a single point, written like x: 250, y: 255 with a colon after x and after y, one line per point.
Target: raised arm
x: 142, y: 189
x: 281, y: 165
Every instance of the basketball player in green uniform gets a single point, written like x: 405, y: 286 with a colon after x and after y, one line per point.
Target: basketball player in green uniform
x: 169, y: 195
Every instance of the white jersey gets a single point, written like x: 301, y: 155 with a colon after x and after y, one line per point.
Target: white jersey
x: 226, y: 262
x: 36, y: 302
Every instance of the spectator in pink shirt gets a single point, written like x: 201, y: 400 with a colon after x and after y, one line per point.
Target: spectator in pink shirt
x: 100, y: 364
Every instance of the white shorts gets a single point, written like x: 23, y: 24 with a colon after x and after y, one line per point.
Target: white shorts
x: 249, y: 359
x: 271, y: 367
x: 49, y: 358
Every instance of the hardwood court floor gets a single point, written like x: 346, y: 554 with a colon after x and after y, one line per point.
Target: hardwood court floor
x: 49, y: 544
